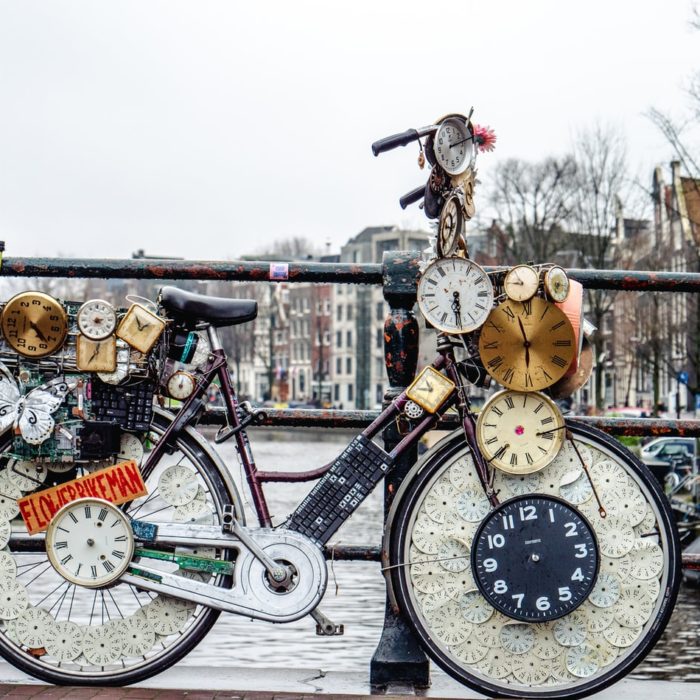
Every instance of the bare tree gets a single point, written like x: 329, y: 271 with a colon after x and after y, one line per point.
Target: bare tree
x: 294, y: 248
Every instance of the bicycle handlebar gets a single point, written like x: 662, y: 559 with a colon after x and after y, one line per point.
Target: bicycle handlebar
x: 395, y: 140
x: 412, y: 196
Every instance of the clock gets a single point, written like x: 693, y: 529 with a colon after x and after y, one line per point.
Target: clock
x: 519, y: 432
x: 90, y: 543
x: 535, y: 558
x: 140, y: 328
x: 34, y: 324
x: 556, y: 284
x: 450, y: 226
x: 96, y: 355
x: 96, y: 319
x: 454, y: 145
x: 455, y: 295
x: 430, y: 389
x: 521, y: 282
x: 181, y: 384
x: 527, y: 346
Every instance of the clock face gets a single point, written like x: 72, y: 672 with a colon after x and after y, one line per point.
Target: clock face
x: 455, y: 295
x: 556, y: 284
x: 34, y: 324
x: 96, y: 319
x: 454, y: 146
x: 521, y: 282
x: 430, y: 389
x: 450, y: 228
x: 96, y: 355
x: 527, y: 346
x: 89, y: 542
x: 181, y: 385
x: 520, y: 432
x: 535, y: 558
x: 140, y: 328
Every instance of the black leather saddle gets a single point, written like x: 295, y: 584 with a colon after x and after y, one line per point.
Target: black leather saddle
x: 217, y: 311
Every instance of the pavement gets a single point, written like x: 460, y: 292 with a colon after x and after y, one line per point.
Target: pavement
x: 227, y: 683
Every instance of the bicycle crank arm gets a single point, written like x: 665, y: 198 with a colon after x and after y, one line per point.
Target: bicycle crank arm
x: 254, y: 592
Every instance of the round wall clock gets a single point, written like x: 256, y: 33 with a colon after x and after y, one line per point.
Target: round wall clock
x: 521, y: 282
x: 34, y: 324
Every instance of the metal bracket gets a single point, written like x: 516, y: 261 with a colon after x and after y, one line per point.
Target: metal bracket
x: 326, y: 627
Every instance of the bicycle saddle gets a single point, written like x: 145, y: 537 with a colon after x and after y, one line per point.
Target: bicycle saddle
x: 217, y: 311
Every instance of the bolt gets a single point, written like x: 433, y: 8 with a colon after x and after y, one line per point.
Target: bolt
x: 535, y: 557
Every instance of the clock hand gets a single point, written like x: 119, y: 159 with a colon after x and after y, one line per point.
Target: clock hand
x: 527, y: 343
x: 456, y: 308
x: 469, y: 138
x: 551, y: 430
x: 141, y: 325
x: 601, y: 507
x: 37, y: 330
x: 95, y: 352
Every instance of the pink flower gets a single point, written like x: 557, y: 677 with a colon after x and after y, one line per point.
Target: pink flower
x: 484, y: 137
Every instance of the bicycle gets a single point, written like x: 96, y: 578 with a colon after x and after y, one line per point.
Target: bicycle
x: 130, y: 589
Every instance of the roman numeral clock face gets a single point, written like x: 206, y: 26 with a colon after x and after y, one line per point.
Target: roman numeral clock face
x: 527, y: 346
x: 455, y: 295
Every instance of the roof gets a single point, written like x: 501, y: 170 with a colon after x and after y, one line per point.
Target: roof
x: 368, y: 233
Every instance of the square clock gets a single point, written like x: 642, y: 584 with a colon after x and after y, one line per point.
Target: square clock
x: 140, y: 328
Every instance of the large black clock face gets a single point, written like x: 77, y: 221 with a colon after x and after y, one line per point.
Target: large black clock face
x: 535, y: 558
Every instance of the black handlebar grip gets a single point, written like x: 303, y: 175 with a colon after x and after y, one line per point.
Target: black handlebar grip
x: 394, y: 141
x: 412, y: 196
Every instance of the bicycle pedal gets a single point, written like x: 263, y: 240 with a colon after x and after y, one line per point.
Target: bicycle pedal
x: 326, y: 627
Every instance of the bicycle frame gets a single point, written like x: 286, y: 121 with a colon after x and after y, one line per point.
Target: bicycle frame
x: 218, y: 367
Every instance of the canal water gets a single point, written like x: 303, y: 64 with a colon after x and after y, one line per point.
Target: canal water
x: 355, y: 594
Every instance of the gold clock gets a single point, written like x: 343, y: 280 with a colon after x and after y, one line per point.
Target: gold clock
x: 521, y: 282
x: 34, y: 324
x: 140, y: 328
x: 430, y: 389
x: 527, y: 346
x: 520, y: 432
x: 96, y: 355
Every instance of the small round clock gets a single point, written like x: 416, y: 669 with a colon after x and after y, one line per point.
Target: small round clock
x: 181, y: 384
x: 34, y: 324
x: 556, y: 284
x: 454, y: 145
x: 450, y: 226
x: 521, y: 282
x: 455, y: 295
x: 535, y: 558
x: 89, y: 542
x: 527, y: 346
x: 96, y: 319
x: 519, y: 432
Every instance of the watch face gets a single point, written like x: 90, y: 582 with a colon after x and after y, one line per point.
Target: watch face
x: 430, y: 389
x: 140, y: 328
x: 450, y: 228
x: 455, y: 295
x: 181, y: 385
x: 96, y: 355
x: 527, y: 346
x: 89, y: 542
x: 521, y: 282
x: 34, y: 324
x: 454, y: 146
x: 535, y: 558
x: 96, y: 319
x: 556, y: 284
x: 520, y: 432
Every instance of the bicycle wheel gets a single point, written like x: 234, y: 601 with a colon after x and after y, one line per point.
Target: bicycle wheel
x: 434, y: 580
x: 64, y: 633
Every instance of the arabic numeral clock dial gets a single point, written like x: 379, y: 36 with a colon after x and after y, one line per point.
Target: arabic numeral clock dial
x: 90, y: 543
x: 455, y: 295
x: 520, y: 432
x: 556, y: 284
x: 96, y: 319
x: 450, y: 227
x: 181, y: 384
x: 527, y: 346
x: 535, y: 558
x: 521, y: 282
x: 454, y: 145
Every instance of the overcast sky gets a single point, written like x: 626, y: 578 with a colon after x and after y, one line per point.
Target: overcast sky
x: 208, y: 129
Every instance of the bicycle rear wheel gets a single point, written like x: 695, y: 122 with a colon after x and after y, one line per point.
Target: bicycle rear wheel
x: 64, y: 633
x: 433, y: 581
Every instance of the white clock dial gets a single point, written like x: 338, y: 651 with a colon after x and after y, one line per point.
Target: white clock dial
x: 454, y: 556
x: 167, y: 615
x: 455, y: 295
x: 570, y: 631
x: 64, y: 641
x: 8, y: 567
x: 475, y: 607
x: 606, y: 591
x: 9, y: 493
x: 633, y: 607
x: 33, y: 626
x: 470, y: 651
x: 89, y: 542
x: 615, y: 536
x: 450, y: 226
x: 582, y: 661
x: 178, y: 485
x: 521, y: 282
x: 13, y: 599
x: 130, y: 448
x: 454, y: 146
x: 181, y: 385
x: 26, y: 475
x: 96, y: 319
x: 137, y: 634
x: 5, y: 532
x: 556, y: 284
x: 472, y: 505
x: 517, y: 638
x: 647, y: 559
x: 103, y: 645
x: 621, y: 636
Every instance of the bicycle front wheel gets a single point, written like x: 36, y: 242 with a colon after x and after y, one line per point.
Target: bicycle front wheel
x: 603, y: 638
x: 65, y: 633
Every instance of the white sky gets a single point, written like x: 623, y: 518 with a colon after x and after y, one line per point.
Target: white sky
x: 207, y: 129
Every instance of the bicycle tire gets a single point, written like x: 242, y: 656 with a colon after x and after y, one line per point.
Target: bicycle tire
x: 166, y: 649
x: 493, y: 672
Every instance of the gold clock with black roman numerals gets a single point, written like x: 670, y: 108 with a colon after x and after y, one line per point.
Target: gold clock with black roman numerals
x: 527, y: 346
x: 520, y: 432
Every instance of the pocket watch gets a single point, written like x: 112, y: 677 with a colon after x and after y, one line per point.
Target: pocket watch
x: 455, y: 295
x: 556, y: 284
x: 96, y: 355
x: 521, y: 282
x: 527, y: 346
x: 520, y: 432
x: 34, y: 324
x: 181, y: 384
x: 96, y: 319
x: 140, y: 328
x: 454, y: 145
x: 450, y: 226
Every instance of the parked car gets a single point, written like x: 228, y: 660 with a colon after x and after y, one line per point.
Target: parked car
x: 663, y: 455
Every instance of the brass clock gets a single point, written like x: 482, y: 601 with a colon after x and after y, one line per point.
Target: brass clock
x: 34, y: 324
x: 140, y: 328
x: 96, y: 355
x: 527, y: 346
x: 520, y: 432
x: 521, y: 282
x: 430, y: 389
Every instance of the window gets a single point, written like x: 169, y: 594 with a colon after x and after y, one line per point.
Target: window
x: 379, y: 393
x: 326, y: 307
x: 336, y: 392
x: 338, y: 339
x: 380, y: 311
x: 380, y: 339
x: 349, y: 313
x: 350, y: 392
x: 326, y: 337
x: 339, y: 313
x: 348, y: 365
x: 349, y: 339
x: 338, y: 365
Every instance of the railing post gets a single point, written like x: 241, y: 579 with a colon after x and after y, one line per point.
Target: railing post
x: 398, y: 657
